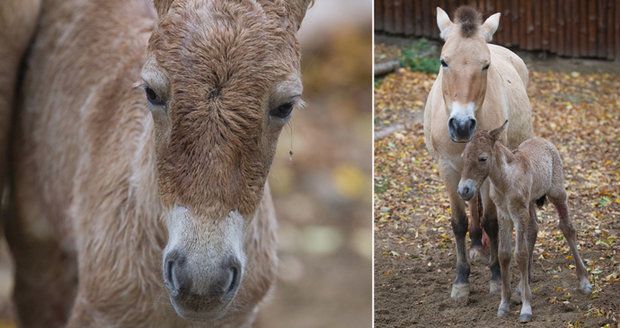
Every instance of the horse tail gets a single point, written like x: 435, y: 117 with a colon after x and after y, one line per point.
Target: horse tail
x: 541, y: 201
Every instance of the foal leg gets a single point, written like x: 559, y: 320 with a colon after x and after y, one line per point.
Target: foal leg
x: 523, y: 263
x: 560, y: 203
x: 505, y: 253
x: 532, y: 234
x: 490, y: 224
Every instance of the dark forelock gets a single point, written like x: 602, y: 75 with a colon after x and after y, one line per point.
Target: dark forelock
x: 469, y: 19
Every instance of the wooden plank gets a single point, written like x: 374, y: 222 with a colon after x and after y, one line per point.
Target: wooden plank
x: 583, y: 27
x: 378, y: 15
x: 418, y: 18
x: 544, y: 39
x: 617, y: 30
x: 434, y: 29
x: 529, y: 18
x: 408, y: 17
x: 592, y: 28
x: 514, y: 26
x: 572, y: 22
x: 537, y: 11
x: 499, y: 37
x: 553, y: 26
x: 427, y: 13
x: 522, y: 22
x: 388, y: 13
x: 562, y: 27
x: 601, y: 22
x: 399, y: 21
x: 610, y: 29
x: 569, y: 37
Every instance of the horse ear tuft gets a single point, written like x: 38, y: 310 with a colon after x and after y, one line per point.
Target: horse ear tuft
x: 495, y: 134
x: 444, y: 23
x: 490, y: 26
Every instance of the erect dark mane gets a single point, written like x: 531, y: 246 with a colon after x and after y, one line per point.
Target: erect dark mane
x: 469, y: 19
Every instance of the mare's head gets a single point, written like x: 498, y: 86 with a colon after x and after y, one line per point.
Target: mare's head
x: 221, y: 80
x: 465, y: 61
x: 478, y: 158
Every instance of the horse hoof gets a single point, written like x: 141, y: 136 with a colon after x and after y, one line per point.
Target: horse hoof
x: 494, y: 287
x: 525, y: 317
x: 460, y: 293
x: 585, y: 287
x: 502, y: 311
x: 478, y: 255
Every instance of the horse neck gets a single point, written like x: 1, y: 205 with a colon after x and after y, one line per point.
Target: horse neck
x: 501, y: 168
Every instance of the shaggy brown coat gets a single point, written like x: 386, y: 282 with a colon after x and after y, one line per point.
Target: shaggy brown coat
x: 519, y: 180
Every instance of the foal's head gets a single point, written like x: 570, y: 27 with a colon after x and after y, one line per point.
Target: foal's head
x: 465, y: 61
x: 477, y: 161
x: 221, y: 80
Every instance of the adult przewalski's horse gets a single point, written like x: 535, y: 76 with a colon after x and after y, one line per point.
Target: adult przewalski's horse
x: 140, y: 161
x: 479, y: 86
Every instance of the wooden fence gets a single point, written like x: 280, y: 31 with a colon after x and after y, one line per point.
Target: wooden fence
x: 573, y: 28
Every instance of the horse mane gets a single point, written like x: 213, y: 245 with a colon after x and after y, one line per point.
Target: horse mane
x: 469, y: 19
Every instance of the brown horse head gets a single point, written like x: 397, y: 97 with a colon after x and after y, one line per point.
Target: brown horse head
x: 465, y: 61
x: 477, y: 161
x: 221, y: 80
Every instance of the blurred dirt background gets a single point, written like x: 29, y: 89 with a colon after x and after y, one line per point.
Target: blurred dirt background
x: 323, y: 192
x: 576, y: 105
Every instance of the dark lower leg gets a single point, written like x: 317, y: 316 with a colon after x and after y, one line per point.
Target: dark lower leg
x: 491, y: 228
x: 459, y: 227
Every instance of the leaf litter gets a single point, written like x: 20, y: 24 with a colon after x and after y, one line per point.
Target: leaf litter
x: 580, y: 114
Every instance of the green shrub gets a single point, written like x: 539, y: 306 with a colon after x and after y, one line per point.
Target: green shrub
x: 420, y: 56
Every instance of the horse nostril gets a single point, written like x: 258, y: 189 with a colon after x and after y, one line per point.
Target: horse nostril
x: 234, y: 280
x: 472, y: 124
x: 228, y: 282
x: 169, y: 275
x: 451, y: 123
x: 466, y: 191
x: 175, y: 275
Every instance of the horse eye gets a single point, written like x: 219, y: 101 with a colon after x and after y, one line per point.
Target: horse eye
x: 443, y: 63
x: 486, y: 67
x: 283, y: 111
x: 482, y: 159
x: 152, y: 97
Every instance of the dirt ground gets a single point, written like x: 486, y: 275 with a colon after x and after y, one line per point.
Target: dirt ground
x: 578, y: 110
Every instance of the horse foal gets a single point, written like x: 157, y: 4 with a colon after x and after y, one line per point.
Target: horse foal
x: 519, y: 179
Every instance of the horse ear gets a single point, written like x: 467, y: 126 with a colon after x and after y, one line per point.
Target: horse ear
x: 495, y: 134
x: 490, y: 26
x: 162, y: 6
x: 444, y: 23
x: 292, y: 11
x: 297, y: 10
